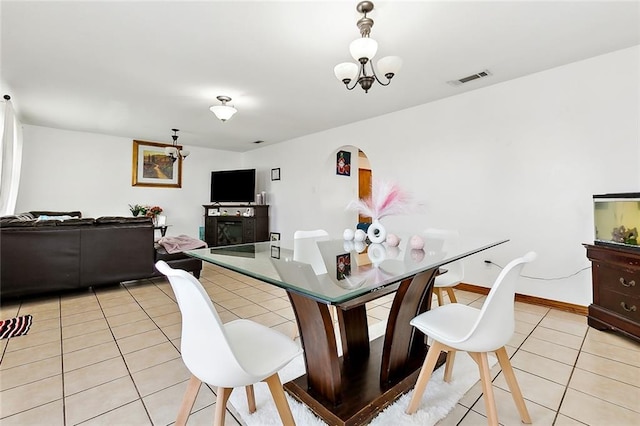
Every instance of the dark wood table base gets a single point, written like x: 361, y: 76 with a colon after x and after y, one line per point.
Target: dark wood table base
x: 363, y: 397
x: 354, y: 388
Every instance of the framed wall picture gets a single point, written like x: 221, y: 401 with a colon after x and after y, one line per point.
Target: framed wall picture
x: 275, y: 252
x: 343, y: 163
x: 275, y: 174
x: 152, y: 167
x: 274, y: 236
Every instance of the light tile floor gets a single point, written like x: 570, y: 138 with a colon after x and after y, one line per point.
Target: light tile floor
x: 110, y: 357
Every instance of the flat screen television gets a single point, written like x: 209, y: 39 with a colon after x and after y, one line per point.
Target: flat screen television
x: 233, y: 186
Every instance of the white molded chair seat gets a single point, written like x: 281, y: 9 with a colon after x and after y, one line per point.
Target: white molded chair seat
x: 238, y: 353
x: 456, y: 327
x: 306, y: 250
x: 455, y: 270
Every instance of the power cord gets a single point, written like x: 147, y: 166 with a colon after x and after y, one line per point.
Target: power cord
x: 488, y: 262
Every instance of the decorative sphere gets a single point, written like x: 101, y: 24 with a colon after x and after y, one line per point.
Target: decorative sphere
x: 392, y: 252
x: 416, y: 242
x: 393, y: 240
x: 360, y: 235
x: 417, y: 255
x: 348, y: 234
x: 359, y: 246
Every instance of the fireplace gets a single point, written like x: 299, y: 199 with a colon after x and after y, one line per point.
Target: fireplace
x: 229, y: 232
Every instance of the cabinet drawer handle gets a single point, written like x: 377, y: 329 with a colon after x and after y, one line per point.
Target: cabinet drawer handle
x: 624, y: 306
x: 624, y: 282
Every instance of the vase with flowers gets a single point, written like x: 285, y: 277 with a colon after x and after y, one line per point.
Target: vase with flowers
x: 153, y: 213
x: 386, y: 198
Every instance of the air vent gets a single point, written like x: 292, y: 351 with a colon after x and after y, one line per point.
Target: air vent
x: 463, y: 80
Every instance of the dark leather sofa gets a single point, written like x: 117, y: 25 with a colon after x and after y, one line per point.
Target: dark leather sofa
x: 43, y: 256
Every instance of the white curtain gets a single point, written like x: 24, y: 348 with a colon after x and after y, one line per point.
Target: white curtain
x: 10, y: 158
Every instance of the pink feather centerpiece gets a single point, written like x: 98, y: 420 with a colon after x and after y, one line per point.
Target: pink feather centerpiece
x: 387, y: 198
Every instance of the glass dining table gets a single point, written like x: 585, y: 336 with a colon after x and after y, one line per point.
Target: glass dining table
x: 352, y: 385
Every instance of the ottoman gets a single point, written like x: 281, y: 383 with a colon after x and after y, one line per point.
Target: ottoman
x: 177, y: 261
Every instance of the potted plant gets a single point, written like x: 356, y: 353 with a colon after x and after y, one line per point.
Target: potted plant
x: 137, y: 209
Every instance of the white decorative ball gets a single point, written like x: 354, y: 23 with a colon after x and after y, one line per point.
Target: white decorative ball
x: 359, y: 246
x: 392, y: 252
x: 360, y: 235
x: 393, y: 240
x: 416, y: 242
x: 348, y: 234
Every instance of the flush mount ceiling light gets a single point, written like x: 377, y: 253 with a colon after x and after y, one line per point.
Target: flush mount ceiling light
x: 174, y: 151
x: 363, y: 50
x: 224, y: 111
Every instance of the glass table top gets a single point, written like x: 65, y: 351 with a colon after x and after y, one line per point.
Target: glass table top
x: 334, y: 270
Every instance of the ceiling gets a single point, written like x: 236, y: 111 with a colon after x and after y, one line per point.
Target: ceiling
x: 138, y: 69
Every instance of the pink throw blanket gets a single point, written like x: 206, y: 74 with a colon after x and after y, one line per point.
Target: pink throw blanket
x: 180, y: 243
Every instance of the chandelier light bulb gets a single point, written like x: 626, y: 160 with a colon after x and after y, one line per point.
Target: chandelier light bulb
x: 389, y: 65
x: 364, y: 47
x: 346, y: 71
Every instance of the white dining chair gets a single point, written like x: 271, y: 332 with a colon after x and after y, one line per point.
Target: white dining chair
x: 454, y: 270
x: 306, y: 250
x: 458, y: 327
x: 238, y: 353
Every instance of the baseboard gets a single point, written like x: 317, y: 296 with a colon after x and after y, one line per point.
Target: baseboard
x: 532, y: 300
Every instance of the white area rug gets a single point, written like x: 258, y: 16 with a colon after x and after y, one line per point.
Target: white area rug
x: 438, y: 399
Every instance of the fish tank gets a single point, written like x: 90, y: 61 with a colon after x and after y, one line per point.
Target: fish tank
x: 617, y: 219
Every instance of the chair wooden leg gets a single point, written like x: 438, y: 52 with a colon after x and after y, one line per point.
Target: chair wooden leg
x: 485, y: 376
x: 452, y: 295
x: 439, y: 296
x: 424, y: 376
x: 187, y: 400
x: 277, y: 392
x: 223, y: 395
x: 512, y: 382
x: 448, y: 368
x: 251, y: 399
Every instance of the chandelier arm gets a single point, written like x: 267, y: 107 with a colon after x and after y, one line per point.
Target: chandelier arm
x: 373, y: 71
x: 361, y: 73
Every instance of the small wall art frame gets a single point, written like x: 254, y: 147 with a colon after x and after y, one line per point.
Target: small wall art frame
x: 153, y: 168
x: 343, y: 163
x: 274, y: 236
x: 275, y: 174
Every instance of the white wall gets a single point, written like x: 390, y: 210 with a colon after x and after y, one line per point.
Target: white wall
x: 67, y: 170
x: 519, y: 159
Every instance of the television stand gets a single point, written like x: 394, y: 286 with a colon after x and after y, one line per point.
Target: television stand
x: 235, y: 224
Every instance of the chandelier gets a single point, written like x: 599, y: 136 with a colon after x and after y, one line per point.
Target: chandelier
x: 224, y: 111
x: 363, y: 50
x: 175, y: 151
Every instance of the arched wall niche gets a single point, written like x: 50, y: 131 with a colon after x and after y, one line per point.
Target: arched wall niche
x: 340, y: 186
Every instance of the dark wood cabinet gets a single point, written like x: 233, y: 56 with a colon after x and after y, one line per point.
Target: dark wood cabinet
x: 616, y: 289
x: 235, y: 224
